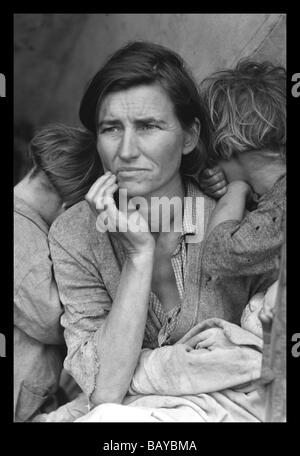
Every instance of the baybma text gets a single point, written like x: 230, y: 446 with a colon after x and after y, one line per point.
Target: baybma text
x: 150, y: 445
x: 173, y: 445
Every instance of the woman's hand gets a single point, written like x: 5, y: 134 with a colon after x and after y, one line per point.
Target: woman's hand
x: 132, y: 227
x: 210, y: 338
x: 213, y: 182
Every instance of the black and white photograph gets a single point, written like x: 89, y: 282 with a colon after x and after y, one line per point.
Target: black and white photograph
x: 149, y: 220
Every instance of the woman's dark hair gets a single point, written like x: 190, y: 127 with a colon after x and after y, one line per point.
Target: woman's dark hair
x: 148, y: 63
x: 69, y: 158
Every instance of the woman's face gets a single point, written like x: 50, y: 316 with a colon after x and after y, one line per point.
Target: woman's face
x: 141, y: 141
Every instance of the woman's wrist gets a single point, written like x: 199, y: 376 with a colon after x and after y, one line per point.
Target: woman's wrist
x: 142, y: 257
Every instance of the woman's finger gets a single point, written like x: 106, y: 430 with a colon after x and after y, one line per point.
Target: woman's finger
x: 105, y: 199
x: 205, y: 343
x: 98, y: 184
x: 100, y: 180
x: 107, y: 220
x: 100, y: 191
x: 193, y: 341
x: 106, y: 185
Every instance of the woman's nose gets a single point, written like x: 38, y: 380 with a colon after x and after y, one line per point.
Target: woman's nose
x: 128, y: 148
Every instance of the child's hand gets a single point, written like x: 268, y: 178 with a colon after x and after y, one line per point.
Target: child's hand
x: 268, y: 310
x: 250, y: 316
x: 213, y: 182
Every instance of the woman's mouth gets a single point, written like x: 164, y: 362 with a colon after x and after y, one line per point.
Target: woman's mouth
x: 130, y: 172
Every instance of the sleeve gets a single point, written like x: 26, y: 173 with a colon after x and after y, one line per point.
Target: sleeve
x: 177, y: 370
x: 180, y: 369
x: 37, y: 307
x: 86, y: 305
x: 249, y: 247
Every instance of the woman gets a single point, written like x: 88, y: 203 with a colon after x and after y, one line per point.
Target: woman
x: 127, y: 290
x: 64, y: 167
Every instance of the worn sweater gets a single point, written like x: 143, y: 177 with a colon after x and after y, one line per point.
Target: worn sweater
x: 88, y: 265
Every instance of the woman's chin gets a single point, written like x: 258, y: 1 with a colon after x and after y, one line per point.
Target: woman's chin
x: 134, y: 188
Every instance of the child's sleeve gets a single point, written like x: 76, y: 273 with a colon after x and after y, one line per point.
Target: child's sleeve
x: 249, y: 247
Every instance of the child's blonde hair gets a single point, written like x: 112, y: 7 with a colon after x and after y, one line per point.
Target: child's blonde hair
x: 247, y: 107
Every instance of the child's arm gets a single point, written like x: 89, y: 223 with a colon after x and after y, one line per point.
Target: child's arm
x: 244, y: 245
x: 231, y: 206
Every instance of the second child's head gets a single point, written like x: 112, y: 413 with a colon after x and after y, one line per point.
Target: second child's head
x: 247, y: 107
x: 65, y: 161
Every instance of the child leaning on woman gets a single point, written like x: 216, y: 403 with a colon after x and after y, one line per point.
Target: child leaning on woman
x: 247, y: 107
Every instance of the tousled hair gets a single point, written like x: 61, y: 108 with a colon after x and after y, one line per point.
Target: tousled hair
x: 141, y: 62
x: 68, y: 157
x: 247, y: 108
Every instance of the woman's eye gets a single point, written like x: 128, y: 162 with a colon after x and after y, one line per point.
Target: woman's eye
x: 149, y: 126
x: 111, y: 130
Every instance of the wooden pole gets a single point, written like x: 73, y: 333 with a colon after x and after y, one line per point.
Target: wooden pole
x: 274, y: 352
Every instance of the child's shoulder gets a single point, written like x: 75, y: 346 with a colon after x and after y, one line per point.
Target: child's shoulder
x: 278, y: 191
x: 276, y: 196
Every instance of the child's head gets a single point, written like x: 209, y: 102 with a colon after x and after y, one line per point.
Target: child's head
x: 247, y: 107
x: 67, y: 156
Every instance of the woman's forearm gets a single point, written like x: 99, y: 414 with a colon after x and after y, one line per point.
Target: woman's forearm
x: 231, y: 206
x: 122, y: 334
